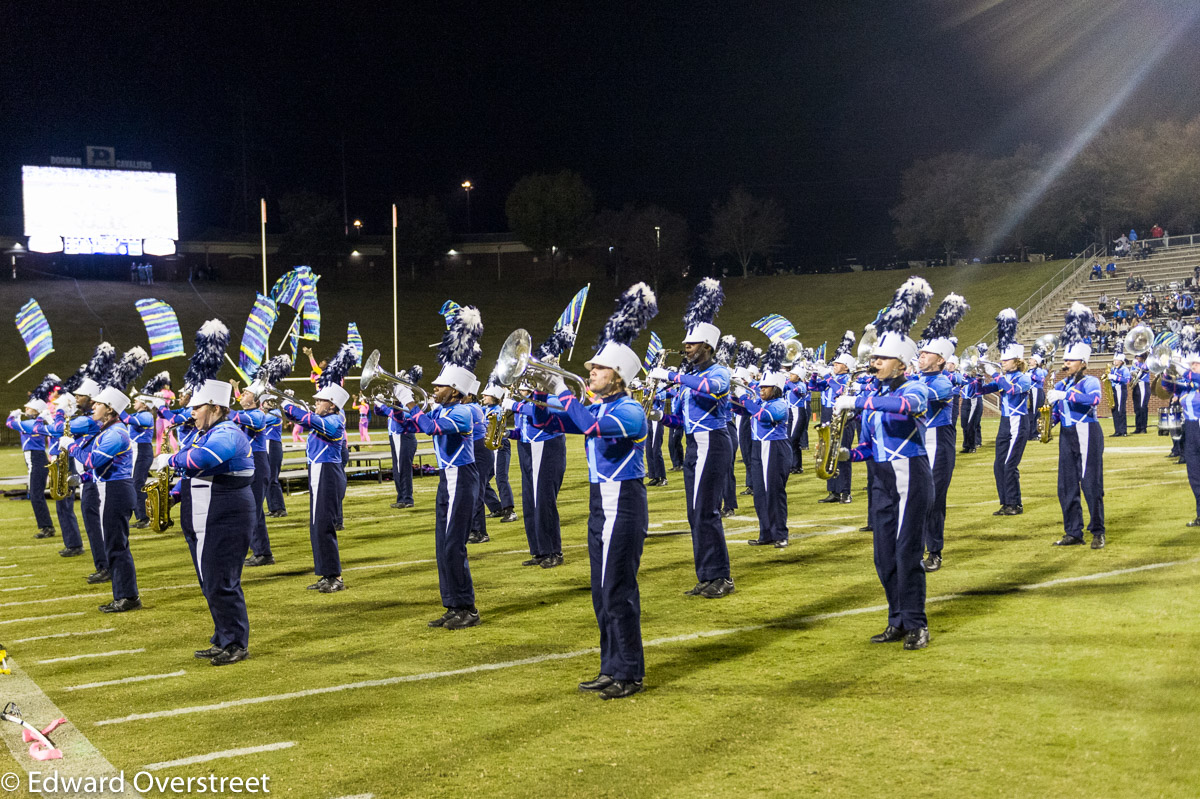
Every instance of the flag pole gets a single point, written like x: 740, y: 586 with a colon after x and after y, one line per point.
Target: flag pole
x: 395, y: 315
x: 23, y: 371
x: 237, y: 369
x: 582, y: 308
x: 263, y: 207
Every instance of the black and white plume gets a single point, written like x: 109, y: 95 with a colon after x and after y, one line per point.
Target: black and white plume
x: 338, y: 367
x: 846, y: 345
x: 560, y: 341
x: 46, y: 387
x: 73, y: 382
x: 983, y: 348
x: 1006, y: 328
x: 1188, y: 345
x: 726, y: 350
x: 908, y: 303
x: 156, y: 383
x: 274, y: 369
x: 101, y: 363
x: 211, y: 340
x: 745, y: 355
x: 947, y: 316
x: 773, y: 359
x: 635, y: 308
x: 1078, y: 326
x: 128, y: 369
x: 706, y: 301
x: 460, y: 342
x: 415, y: 373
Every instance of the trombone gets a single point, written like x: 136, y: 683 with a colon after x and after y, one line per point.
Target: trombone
x: 518, y: 371
x: 372, y: 371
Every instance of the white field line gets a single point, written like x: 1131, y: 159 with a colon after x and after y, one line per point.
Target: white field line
x: 43, y: 618
x: 125, y: 680
x: 554, y: 656
x: 9, y: 566
x: 93, y: 596
x: 93, y: 655
x: 62, y: 635
x: 22, y: 587
x: 359, y: 796
x: 224, y: 753
x: 13, y: 576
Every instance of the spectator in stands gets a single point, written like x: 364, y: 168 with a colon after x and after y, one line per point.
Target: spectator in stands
x: 1156, y: 232
x: 1122, y: 328
x: 1139, y: 311
x: 1139, y: 283
x: 1196, y: 275
x: 1129, y: 282
x: 1111, y: 269
x: 1096, y: 273
x: 1104, y: 331
x: 1189, y: 304
x: 1132, y: 237
x: 1122, y: 246
x: 1103, y: 303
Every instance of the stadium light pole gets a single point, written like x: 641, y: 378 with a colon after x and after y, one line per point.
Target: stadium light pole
x: 263, y: 207
x: 395, y: 315
x: 467, y: 188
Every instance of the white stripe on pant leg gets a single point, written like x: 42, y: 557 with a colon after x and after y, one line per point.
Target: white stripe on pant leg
x: 900, y: 470
x: 451, y: 490
x: 610, y: 494
x: 1014, y: 424
x: 314, y: 485
x: 28, y: 464
x: 765, y: 448
x: 701, y: 437
x: 535, y: 465
x: 201, y: 501
x: 931, y: 445
x: 1081, y: 433
x: 102, y: 491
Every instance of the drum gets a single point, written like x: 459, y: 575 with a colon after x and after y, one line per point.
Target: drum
x: 1169, y: 423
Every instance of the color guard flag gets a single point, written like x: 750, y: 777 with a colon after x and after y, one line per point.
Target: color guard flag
x: 776, y: 327
x: 574, y: 310
x: 35, y: 330
x: 162, y: 327
x: 652, y: 352
x: 257, y: 334
x: 449, y: 309
x: 298, y: 288
x: 354, y: 339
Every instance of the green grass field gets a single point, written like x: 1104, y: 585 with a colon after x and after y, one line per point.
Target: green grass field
x: 1085, y: 687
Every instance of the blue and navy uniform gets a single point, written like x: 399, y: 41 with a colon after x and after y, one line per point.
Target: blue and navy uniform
x: 729, y: 502
x: 1187, y: 391
x: 703, y: 408
x: 771, y: 463
x: 484, y: 463
x: 1119, y: 378
x: 217, y: 515
x: 326, y: 484
x: 542, y: 455
x: 500, y: 499
x: 971, y: 412
x: 84, y: 431
x: 1037, y: 398
x: 254, y: 425
x: 274, y: 436
x: 452, y: 429
x: 402, y: 438
x: 1080, y: 454
x: 141, y: 431
x: 1140, y: 378
x: 33, y: 446
x: 108, y: 464
x: 940, y: 444
x: 1014, y: 432
x: 831, y: 387
x: 656, y: 467
x: 615, y: 431
x: 799, y: 400
x: 903, y: 492
x: 65, y: 507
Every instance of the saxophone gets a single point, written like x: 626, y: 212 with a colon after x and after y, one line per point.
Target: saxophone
x: 58, y: 473
x: 158, y: 500
x: 497, y: 428
x: 829, y: 438
x: 1045, y: 432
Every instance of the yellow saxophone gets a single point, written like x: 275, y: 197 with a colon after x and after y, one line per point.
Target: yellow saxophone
x: 497, y: 429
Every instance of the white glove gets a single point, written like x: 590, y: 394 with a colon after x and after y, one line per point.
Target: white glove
x: 658, y: 373
x: 843, y: 454
x: 556, y: 385
x: 46, y: 416
x: 990, y: 370
x: 65, y: 441
x: 403, y: 394
x: 823, y: 370
x: 13, y: 413
x: 739, y: 391
x: 508, y: 403
x: 1055, y: 395
x: 160, y: 462
x: 843, y: 404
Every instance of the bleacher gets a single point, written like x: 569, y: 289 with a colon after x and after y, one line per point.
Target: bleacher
x: 366, y: 460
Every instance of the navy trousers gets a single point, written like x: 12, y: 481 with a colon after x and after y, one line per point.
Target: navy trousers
x: 704, y: 473
x: 903, y: 492
x: 1141, y: 406
x: 326, y: 486
x: 36, y: 460
x: 940, y: 447
x: 675, y: 447
x: 744, y: 443
x: 1119, y: 417
x: 274, y: 489
x: 729, y: 498
x: 260, y: 542
x: 116, y: 506
x: 799, y: 417
x: 870, y: 492
x: 1191, y: 456
x: 216, y: 518
x: 1081, y: 468
x: 404, y: 448
x: 771, y: 463
x: 617, y: 525
x: 954, y: 408
x: 1010, y: 448
x: 1039, y: 399
x: 656, y: 467
x: 143, y: 456
x: 483, y: 466
x: 542, y: 466
x: 502, y: 497
x: 977, y: 421
x: 458, y: 487
x: 89, y: 504
x: 65, y: 510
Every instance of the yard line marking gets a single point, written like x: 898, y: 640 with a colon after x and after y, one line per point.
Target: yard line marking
x: 125, y: 680
x: 93, y: 655
x: 14, y: 576
x: 62, y: 635
x: 434, y: 560
x: 93, y: 596
x: 9, y: 566
x: 553, y: 656
x: 224, y: 753
x: 43, y: 618
x: 359, y: 796
x: 22, y: 588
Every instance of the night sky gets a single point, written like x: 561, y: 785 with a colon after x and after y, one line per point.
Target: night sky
x: 819, y: 104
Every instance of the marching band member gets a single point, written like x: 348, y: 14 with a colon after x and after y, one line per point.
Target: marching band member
x: 163, y: 435
x: 108, y: 463
x: 33, y: 446
x: 938, y: 426
x: 972, y: 407
x: 744, y: 369
x: 141, y: 424
x: 1037, y: 395
x: 1080, y: 439
x: 402, y: 437
x: 772, y: 455
x: 614, y: 428
x: 832, y: 381
x: 65, y: 507
x: 1014, y: 404
x: 903, y: 485
x: 326, y: 426
x: 483, y: 460
x: 703, y: 413
x: 725, y: 355
x: 1186, y: 388
x: 656, y: 467
x: 799, y: 400
x: 252, y: 421
x: 1118, y: 378
x: 1140, y: 378
x: 276, y: 507
x: 867, y: 385
x: 499, y: 501
x: 450, y: 425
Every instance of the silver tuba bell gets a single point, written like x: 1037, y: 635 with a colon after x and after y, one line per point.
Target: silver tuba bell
x: 1139, y: 340
x: 372, y: 372
x: 517, y: 370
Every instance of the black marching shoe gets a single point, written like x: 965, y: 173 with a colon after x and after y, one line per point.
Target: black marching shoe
x: 662, y: 481
x: 1194, y: 522
x: 207, y: 654
x: 478, y: 537
x: 70, y: 552
x: 1098, y: 541
x: 496, y: 514
x: 331, y: 585
x: 782, y: 543
x: 142, y: 524
x: 725, y: 514
x: 230, y: 654
x: 695, y: 590
x: 122, y: 605
x: 890, y: 635
x: 866, y: 528
x: 917, y: 639
x: 718, y: 588
x: 758, y: 542
x: 441, y: 622
x: 510, y: 515
x: 748, y: 492
x: 279, y: 514
x: 653, y: 481
x: 536, y: 560
x: 260, y: 560
x: 339, y: 527
x: 601, y: 682
x: 845, y: 498
x: 1002, y: 512
x: 101, y: 576
x: 550, y: 561
x: 833, y: 496
x: 44, y: 532
x: 462, y: 618
x: 1068, y: 541
x: 932, y: 562
x: 1018, y: 509
x: 621, y: 689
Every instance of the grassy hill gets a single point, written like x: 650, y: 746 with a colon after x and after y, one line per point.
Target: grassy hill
x: 821, y: 307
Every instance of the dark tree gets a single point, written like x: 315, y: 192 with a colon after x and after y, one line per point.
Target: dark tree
x: 311, y: 227
x: 422, y: 233
x: 745, y: 226
x: 550, y: 213
x: 648, y: 243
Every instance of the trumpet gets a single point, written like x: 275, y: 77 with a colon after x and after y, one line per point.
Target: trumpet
x: 517, y: 370
x: 262, y: 388
x: 652, y: 388
x: 372, y: 371
x: 497, y: 428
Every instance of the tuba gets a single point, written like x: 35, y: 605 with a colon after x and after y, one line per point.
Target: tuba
x: 1139, y: 340
x: 372, y: 371
x: 517, y: 370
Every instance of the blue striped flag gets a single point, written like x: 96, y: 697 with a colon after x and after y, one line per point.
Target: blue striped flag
x: 35, y: 330
x: 652, y: 352
x: 449, y: 309
x: 298, y: 288
x: 820, y: 355
x: 1168, y: 338
x: 257, y: 334
x: 162, y: 327
x: 776, y: 327
x: 574, y: 310
x: 354, y: 339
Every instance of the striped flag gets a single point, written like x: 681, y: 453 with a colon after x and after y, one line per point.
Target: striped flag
x: 298, y: 288
x: 574, y: 310
x: 257, y: 334
x: 820, y: 355
x: 162, y: 328
x: 35, y: 330
x: 354, y: 339
x: 776, y: 327
x: 449, y: 309
x: 1168, y: 338
x: 293, y: 338
x: 652, y: 352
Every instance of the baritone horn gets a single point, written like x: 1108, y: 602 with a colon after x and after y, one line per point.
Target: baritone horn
x: 372, y: 371
x: 1139, y: 340
x: 517, y: 370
